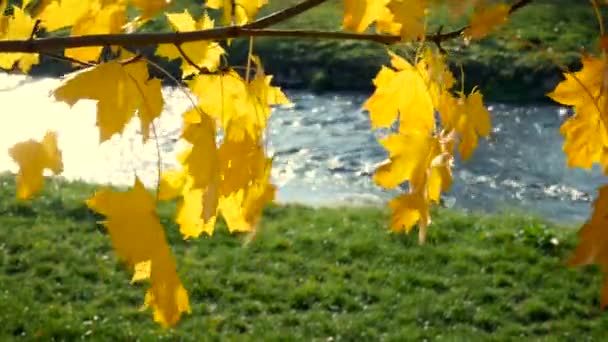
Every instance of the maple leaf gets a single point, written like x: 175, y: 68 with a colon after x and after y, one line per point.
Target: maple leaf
x: 359, y: 14
x: 196, y: 208
x: 586, y: 140
x: 33, y: 158
x: 138, y: 237
x: 582, y: 87
x: 57, y: 14
x: 413, y: 158
x: 242, y: 107
x: 240, y: 162
x: 472, y: 121
x: 237, y: 12
x: 120, y: 91
x: 205, y: 54
x: 406, y: 19
x: 85, y: 18
x: 242, y: 209
x: 407, y: 210
x: 197, y: 182
x: 149, y: 8
x: 18, y: 27
x: 485, y: 19
x: 401, y: 93
x: 593, y: 241
x: 586, y: 132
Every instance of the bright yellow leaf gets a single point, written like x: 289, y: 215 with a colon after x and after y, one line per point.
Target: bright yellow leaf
x: 85, y: 18
x: 65, y: 13
x: 242, y: 209
x: 120, y: 91
x: 33, y: 158
x: 410, y: 17
x: 485, y: 19
x: 241, y: 13
x: 593, y: 241
x: 412, y: 158
x: 359, y: 14
x: 242, y: 108
x: 205, y: 54
x: 408, y: 209
x: 201, y: 161
x: 473, y: 122
x: 240, y: 162
x: 403, y: 94
x: 141, y: 271
x: 18, y: 27
x: 150, y: 8
x: 586, y: 135
x: 138, y: 236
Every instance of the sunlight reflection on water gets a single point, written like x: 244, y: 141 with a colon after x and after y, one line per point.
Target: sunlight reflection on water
x: 324, y: 152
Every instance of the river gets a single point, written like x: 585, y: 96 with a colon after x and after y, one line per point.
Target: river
x: 324, y: 152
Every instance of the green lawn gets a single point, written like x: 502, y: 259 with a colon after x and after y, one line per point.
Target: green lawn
x: 322, y: 274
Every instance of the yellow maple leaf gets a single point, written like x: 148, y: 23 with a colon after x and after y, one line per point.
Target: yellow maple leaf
x: 197, y: 182
x: 200, y: 161
x: 584, y: 86
x: 137, y: 237
x: 407, y: 18
x: 33, y: 158
x: 586, y: 140
x: 57, y: 14
x: 205, y: 54
x: 237, y: 12
x: 240, y: 162
x: 485, y: 19
x: 18, y: 27
x: 473, y: 120
x: 242, y: 209
x: 359, y: 14
x: 149, y: 8
x: 196, y: 208
x: 120, y: 91
x: 401, y: 93
x: 593, y: 241
x: 586, y: 132
x: 85, y: 18
x: 242, y: 107
x: 412, y: 158
x: 407, y: 210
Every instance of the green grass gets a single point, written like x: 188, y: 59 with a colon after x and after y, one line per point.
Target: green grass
x: 311, y: 274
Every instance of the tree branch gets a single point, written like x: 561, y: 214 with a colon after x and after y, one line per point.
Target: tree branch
x: 283, y: 15
x: 220, y: 33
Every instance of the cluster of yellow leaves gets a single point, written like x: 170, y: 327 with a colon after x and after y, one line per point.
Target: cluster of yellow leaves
x: 407, y: 18
x: 231, y: 177
x: 237, y: 12
x: 586, y: 143
x: 83, y: 17
x: 421, y: 152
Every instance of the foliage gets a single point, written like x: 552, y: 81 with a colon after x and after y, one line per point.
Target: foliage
x: 416, y: 98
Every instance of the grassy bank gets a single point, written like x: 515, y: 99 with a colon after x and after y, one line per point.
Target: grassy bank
x: 310, y: 274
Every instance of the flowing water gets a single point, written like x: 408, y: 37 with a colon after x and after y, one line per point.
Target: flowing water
x: 324, y: 152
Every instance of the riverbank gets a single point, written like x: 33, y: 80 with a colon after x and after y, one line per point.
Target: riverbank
x: 515, y: 65
x: 309, y: 274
